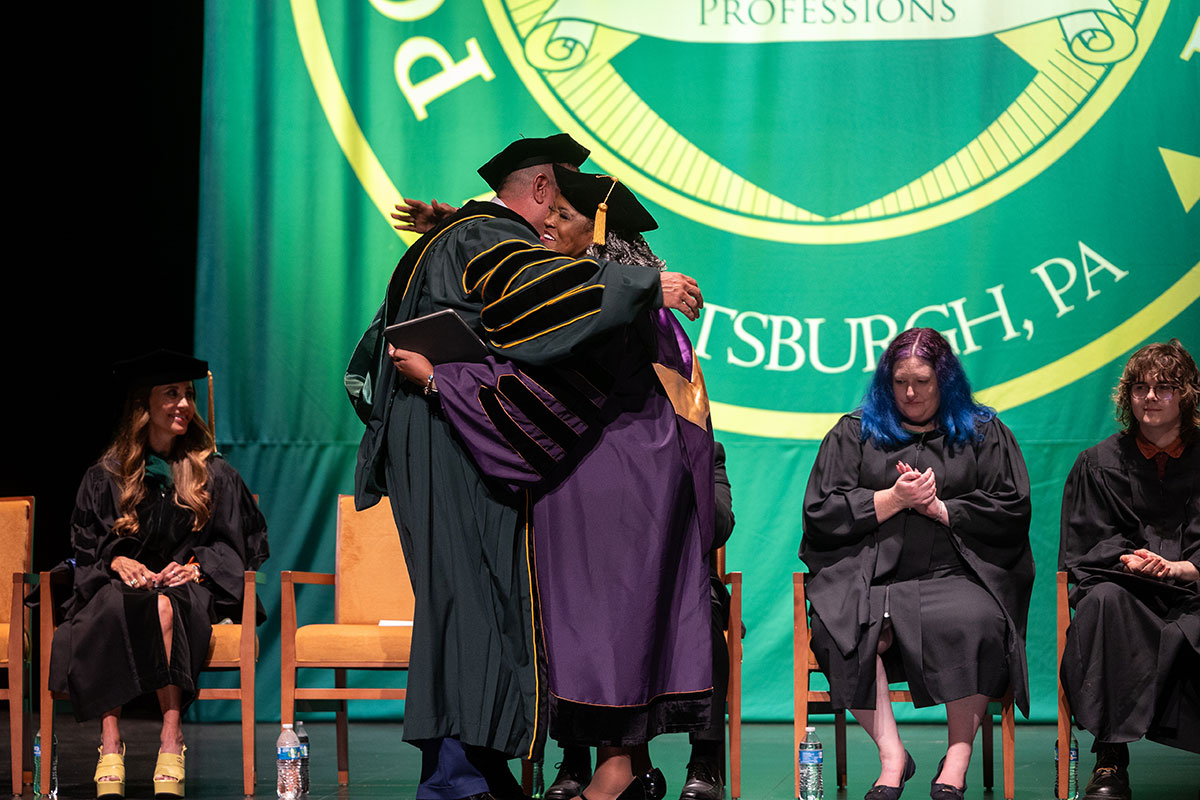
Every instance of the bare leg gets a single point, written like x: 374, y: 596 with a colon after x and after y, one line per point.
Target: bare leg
x: 962, y: 721
x: 110, y: 731
x: 880, y: 724
x: 170, y: 698
x: 613, y: 774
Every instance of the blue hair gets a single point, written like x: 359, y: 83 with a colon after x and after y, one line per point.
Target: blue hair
x: 958, y: 416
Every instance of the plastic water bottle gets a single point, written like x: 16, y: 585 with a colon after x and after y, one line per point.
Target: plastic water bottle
x: 302, y: 735
x: 37, y: 766
x: 809, y: 759
x: 1072, y: 770
x: 539, y: 780
x: 287, y: 764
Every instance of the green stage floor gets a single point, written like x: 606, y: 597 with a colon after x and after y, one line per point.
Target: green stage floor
x: 382, y: 766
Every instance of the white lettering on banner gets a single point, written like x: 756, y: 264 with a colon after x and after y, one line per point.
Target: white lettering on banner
x: 1001, y: 313
x: 739, y: 330
x: 452, y: 74
x: 761, y: 21
x: 1087, y: 256
x: 778, y: 340
x: 786, y: 343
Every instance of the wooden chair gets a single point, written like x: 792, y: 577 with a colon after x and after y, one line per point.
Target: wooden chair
x: 805, y: 663
x: 16, y: 552
x: 733, y: 636
x: 1063, y: 615
x: 370, y: 586
x: 234, y: 647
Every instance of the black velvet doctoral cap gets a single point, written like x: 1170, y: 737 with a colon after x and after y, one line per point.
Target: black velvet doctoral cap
x: 557, y: 149
x: 159, y: 367
x: 586, y: 191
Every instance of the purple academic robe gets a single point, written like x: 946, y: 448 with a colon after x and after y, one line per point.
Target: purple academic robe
x: 615, y: 452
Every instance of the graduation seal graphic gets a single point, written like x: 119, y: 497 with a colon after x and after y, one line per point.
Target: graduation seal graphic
x: 1020, y: 175
x: 1068, y: 61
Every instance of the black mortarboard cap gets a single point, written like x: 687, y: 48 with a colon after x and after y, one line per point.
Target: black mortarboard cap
x: 604, y: 199
x: 159, y: 367
x: 557, y: 149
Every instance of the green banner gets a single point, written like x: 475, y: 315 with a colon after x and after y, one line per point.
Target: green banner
x: 1022, y: 176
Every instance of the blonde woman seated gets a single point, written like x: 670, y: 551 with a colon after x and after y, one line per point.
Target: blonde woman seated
x: 163, y: 529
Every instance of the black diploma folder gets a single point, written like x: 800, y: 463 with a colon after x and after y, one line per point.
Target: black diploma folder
x: 442, y: 337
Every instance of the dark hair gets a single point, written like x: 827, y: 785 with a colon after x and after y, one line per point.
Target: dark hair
x: 626, y: 248
x: 1167, y: 363
x: 958, y: 415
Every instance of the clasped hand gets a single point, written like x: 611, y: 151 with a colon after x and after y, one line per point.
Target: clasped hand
x: 917, y: 490
x: 1151, y: 564
x: 137, y: 575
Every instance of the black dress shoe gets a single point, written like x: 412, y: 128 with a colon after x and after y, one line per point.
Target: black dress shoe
x: 880, y: 792
x: 1108, y: 783
x: 568, y: 783
x: 945, y: 791
x: 703, y: 783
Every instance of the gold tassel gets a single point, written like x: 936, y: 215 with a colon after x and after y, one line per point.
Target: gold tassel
x: 602, y: 214
x: 212, y: 418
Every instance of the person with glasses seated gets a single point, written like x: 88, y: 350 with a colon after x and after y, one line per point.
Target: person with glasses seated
x: 1131, y: 543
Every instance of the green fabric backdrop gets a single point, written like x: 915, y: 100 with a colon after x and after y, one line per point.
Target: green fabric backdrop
x: 829, y: 171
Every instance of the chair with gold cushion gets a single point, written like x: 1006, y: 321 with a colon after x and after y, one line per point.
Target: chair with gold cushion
x: 372, y: 627
x: 808, y: 701
x: 16, y: 551
x: 233, y: 647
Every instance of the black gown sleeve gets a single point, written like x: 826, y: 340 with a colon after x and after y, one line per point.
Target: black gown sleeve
x: 996, y: 513
x: 1097, y: 525
x: 92, y: 540
x: 234, y: 539
x: 838, y: 511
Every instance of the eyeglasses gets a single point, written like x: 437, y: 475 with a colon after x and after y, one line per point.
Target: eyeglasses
x: 1163, y: 391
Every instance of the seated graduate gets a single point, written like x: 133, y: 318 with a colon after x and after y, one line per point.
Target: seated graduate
x: 916, y: 536
x: 163, y: 530
x: 1131, y: 542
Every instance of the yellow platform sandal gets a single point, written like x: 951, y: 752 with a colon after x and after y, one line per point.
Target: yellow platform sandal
x: 169, y: 774
x: 110, y: 773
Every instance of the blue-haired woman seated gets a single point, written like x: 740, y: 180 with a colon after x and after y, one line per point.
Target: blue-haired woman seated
x: 916, y: 536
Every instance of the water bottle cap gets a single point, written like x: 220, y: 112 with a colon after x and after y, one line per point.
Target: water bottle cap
x: 810, y: 729
x: 287, y: 725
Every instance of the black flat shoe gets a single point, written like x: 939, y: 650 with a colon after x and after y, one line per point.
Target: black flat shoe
x: 945, y: 791
x: 880, y: 792
x: 703, y: 783
x: 568, y: 783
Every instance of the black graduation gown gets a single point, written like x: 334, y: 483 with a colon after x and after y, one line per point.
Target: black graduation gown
x: 859, y: 567
x: 475, y: 671
x: 1131, y: 667
x: 109, y: 649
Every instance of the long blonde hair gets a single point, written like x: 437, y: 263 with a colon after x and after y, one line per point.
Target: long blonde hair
x: 125, y: 460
